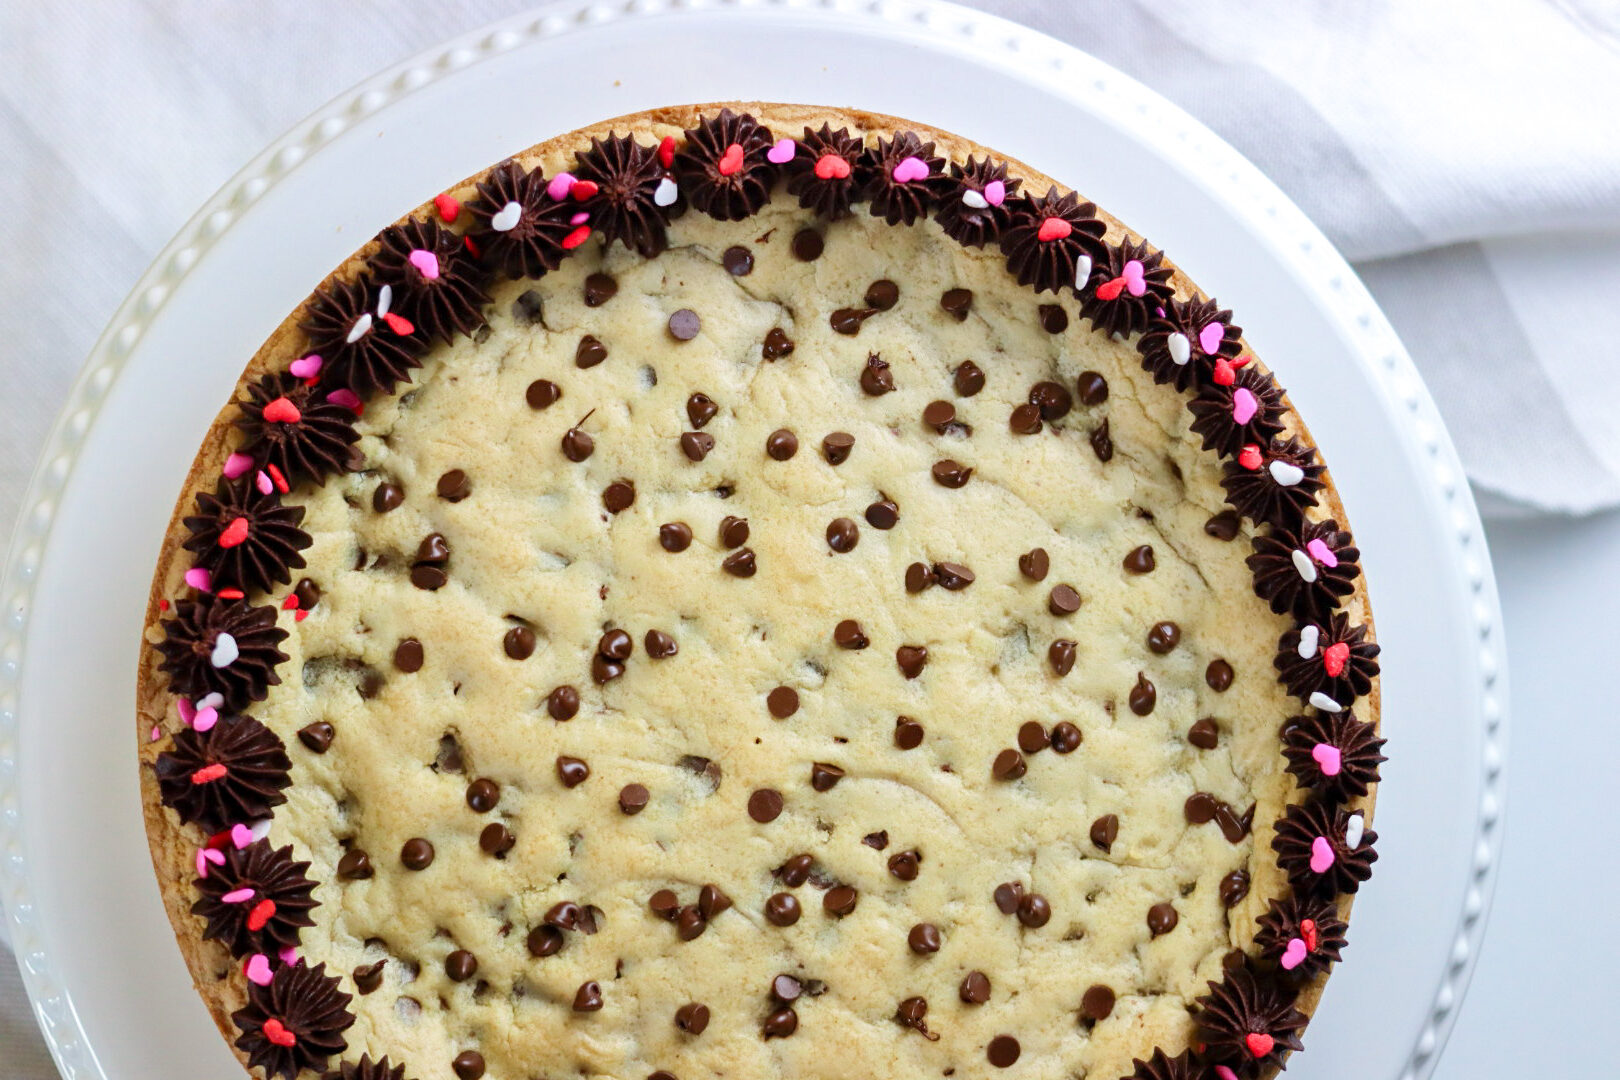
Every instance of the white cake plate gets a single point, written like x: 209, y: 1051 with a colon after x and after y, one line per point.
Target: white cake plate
x: 97, y: 953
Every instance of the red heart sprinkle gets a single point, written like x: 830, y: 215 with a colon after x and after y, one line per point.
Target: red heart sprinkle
x: 278, y: 479
x: 472, y: 248
x: 300, y: 615
x: 1225, y: 372
x: 1249, y: 457
x: 277, y: 1032
x: 1307, y: 931
x: 282, y: 411
x: 1259, y: 1044
x: 262, y: 913
x: 576, y: 238
x: 208, y: 773
x: 447, y: 206
x: 730, y: 161
x: 831, y: 167
x: 583, y: 189
x: 1241, y: 361
x: 399, y: 324
x: 1334, y: 658
x: 235, y: 533
x: 1110, y: 290
x: 1054, y: 228
x: 666, y: 151
x: 230, y: 594
x: 290, y: 603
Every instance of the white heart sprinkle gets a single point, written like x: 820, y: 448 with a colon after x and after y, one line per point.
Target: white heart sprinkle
x: 212, y: 701
x: 1321, y: 701
x: 1309, y: 638
x: 1286, y: 474
x: 1180, y: 348
x: 1082, y: 271
x: 666, y: 192
x: 385, y: 300
x: 1306, y: 568
x: 1353, y: 830
x: 259, y: 829
x: 974, y: 199
x: 225, y: 651
x: 361, y: 327
x: 507, y: 219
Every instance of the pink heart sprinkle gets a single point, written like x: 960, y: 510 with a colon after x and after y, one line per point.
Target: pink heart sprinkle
x: 257, y: 969
x: 560, y: 186
x: 155, y: 734
x: 1321, y: 855
x: 262, y: 482
x: 1224, y: 1072
x: 1294, y: 954
x: 1318, y: 550
x: 426, y: 263
x: 995, y: 192
x: 201, y: 579
x: 288, y: 955
x: 205, y: 719
x: 186, y: 709
x: 1244, y: 406
x: 237, y: 464
x: 307, y: 367
x: 910, y: 168
x: 237, y: 896
x: 782, y: 152
x: 1328, y: 757
x: 580, y: 218
x: 241, y: 836
x: 346, y: 398
x: 1211, y: 336
x: 206, y: 856
x: 1135, y: 281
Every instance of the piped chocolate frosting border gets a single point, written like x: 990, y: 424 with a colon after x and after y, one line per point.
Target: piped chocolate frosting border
x: 425, y: 279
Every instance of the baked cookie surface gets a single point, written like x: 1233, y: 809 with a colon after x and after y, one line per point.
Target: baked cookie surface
x: 774, y: 641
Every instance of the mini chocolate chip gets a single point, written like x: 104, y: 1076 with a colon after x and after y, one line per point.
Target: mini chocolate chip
x: 1008, y: 895
x: 633, y: 798
x: 468, y: 1065
x: 675, y: 536
x: 937, y: 414
x: 562, y: 703
x: 482, y: 795
x: 408, y: 656
x: 839, y: 900
x: 847, y: 321
x: 883, y: 514
x: 317, y: 737
x: 692, y: 1018
x: 908, y: 734
x: 1054, y: 320
x: 842, y: 535
x: 368, y: 977
x: 460, y: 965
x: 387, y: 497
x: 836, y: 447
x: 604, y: 669
x: 700, y: 409
x: 659, y: 645
x: 781, y: 444
x: 765, y: 805
x: 616, y: 645
x: 355, y: 865
x: 876, y: 378
x: 807, y: 245
x: 1162, y: 918
x: 950, y: 473
x: 1204, y: 734
x: 911, y: 659
x: 542, y: 394
x: 849, y: 635
x: 545, y: 940
x: 882, y: 294
x: 782, y: 702
x: 684, y: 325
x: 1032, y: 737
x: 1092, y: 388
x: 1097, y: 1002
x: 416, y: 854
x: 776, y: 344
x: 1060, y: 654
x: 924, y: 939
x: 599, y: 289
x: 1025, y: 420
x: 782, y: 909
x: 975, y: 988
x: 1199, y: 808
x: 1066, y: 738
x: 733, y: 531
x: 796, y: 871
x: 1003, y: 1051
x: 1063, y: 600
x: 1009, y: 765
x: 1102, y: 444
x: 529, y: 308
x: 1224, y: 525
x: 1163, y: 637
x: 953, y: 576
x: 1034, y: 564
x: 572, y: 771
x: 711, y: 901
x: 696, y: 444
x: 1052, y: 398
x: 496, y: 839
x: 588, y: 998
x: 877, y: 840
x: 968, y: 378
x: 740, y: 563
x: 956, y: 302
x: 1034, y: 911
x: 690, y: 923
x: 786, y: 989
x: 1219, y: 676
x: 519, y: 643
x: 1104, y: 831
x: 664, y: 904
x: 904, y: 865
x: 1232, y: 826
x: 577, y: 445
x: 308, y: 593
x: 825, y: 777
x: 1234, y: 887
x: 1144, y: 695
x: 781, y: 1023
x: 738, y: 261
x: 1140, y: 560
x: 619, y: 496
x: 433, y: 549
x: 589, y: 352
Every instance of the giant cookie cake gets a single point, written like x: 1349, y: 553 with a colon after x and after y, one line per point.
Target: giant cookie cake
x: 752, y: 592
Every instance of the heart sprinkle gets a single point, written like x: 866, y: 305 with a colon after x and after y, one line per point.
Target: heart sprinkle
x: 1309, y: 637
x: 237, y: 464
x: 1224, y: 1072
x: 1179, y: 347
x: 1328, y: 758
x: 199, y: 578
x: 782, y: 152
x: 237, y: 896
x: 1286, y: 473
x: 1334, y: 657
x: 1307, y: 927
x: 225, y: 652
x: 306, y: 367
x: 1053, y: 228
x: 235, y: 532
x: 362, y: 326
x: 1110, y: 289
x: 831, y: 167
x: 346, y: 398
x: 1353, y: 830
x: 1135, y: 277
x: 995, y: 192
x: 1082, y: 271
x: 1294, y: 955
x: 1322, y: 857
x: 666, y: 151
x: 507, y: 218
x: 1244, y: 406
x: 1211, y: 336
x: 909, y: 169
x: 399, y: 324
x: 1322, y: 553
x: 426, y: 263
x: 1304, y: 567
x: 1225, y: 373
x: 1249, y: 457
x: 447, y: 206
x: 560, y: 186
x: 731, y: 161
x: 208, y: 773
x: 257, y: 969
x: 1321, y: 701
x: 262, y: 912
x: 262, y: 482
x: 974, y: 200
x: 665, y: 193
x: 208, y: 857
x: 583, y: 189
x: 1259, y: 1044
x: 576, y: 238
x: 282, y: 411
x: 240, y: 837
x: 205, y: 718
x: 277, y: 1032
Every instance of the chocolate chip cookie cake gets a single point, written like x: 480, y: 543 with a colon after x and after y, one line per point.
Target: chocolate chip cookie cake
x: 759, y: 591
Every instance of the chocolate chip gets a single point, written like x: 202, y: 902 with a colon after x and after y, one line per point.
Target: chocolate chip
x: 1034, y: 911
x: 542, y: 394
x: 1054, y: 320
x: 908, y: 734
x: 589, y: 352
x: 950, y: 473
x: 876, y: 378
x: 781, y: 1023
x: 1140, y: 560
x: 953, y: 576
x: 1144, y: 695
x: 904, y: 865
x: 1162, y: 918
x: 588, y: 998
x: 1060, y: 654
x: 562, y: 703
x: 1224, y: 525
x: 1097, y: 1003
x: 633, y: 798
x: 1219, y: 676
x: 1008, y: 895
x: 825, y: 777
x: 482, y: 795
x: 599, y: 289
x: 1204, y: 734
x: 883, y: 514
x: 577, y: 445
x: 840, y: 900
x: 1009, y: 765
x: 781, y: 444
x: 1234, y: 887
x: 796, y: 871
x: 1102, y: 444
x: 1233, y: 827
x: 368, y: 977
x: 782, y: 702
x: 696, y: 445
x: 308, y: 593
x: 1199, y: 808
x: 956, y: 302
x: 733, y: 531
x: 1025, y: 420
x: 786, y: 989
x: 1104, y: 831
x: 738, y: 261
x: 847, y: 321
x: 882, y: 294
x: 1063, y: 600
x: 572, y: 771
x: 604, y: 669
x: 700, y: 409
x: 1003, y: 1051
x: 496, y: 839
x: 616, y: 645
x: 1032, y: 737
x: 433, y: 549
x: 692, y: 1018
x: 529, y: 308
x: 807, y: 245
x: 975, y: 988
x: 711, y: 901
x: 468, y: 1065
x: 408, y: 656
x: 619, y: 496
x: 740, y: 563
x: 684, y: 325
x: 416, y: 854
x: 460, y: 965
x: 1034, y: 564
x: 877, y: 840
x: 765, y: 805
x: 317, y: 737
x: 690, y: 923
x: 968, y: 378
x: 937, y: 414
x: 836, y: 447
x: 519, y: 643
x: 659, y: 645
x: 1066, y: 738
x: 1163, y: 637
x: 355, y: 865
x: 924, y: 939
x: 664, y: 904
x: 776, y: 344
x: 849, y: 635
x: 675, y: 536
x: 1052, y: 398
x: 1092, y: 388
x: 387, y: 497
x: 842, y: 535
x: 911, y: 660
x: 782, y: 909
